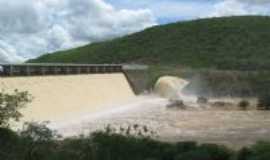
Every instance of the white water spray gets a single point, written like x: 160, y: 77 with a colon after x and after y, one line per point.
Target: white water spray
x: 167, y: 88
x: 82, y: 124
x: 172, y: 88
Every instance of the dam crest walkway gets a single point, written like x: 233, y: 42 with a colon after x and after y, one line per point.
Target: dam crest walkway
x: 32, y: 69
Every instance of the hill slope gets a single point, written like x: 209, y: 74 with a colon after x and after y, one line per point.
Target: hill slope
x: 222, y: 43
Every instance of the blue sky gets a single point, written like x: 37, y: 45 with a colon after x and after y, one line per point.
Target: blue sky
x: 30, y: 28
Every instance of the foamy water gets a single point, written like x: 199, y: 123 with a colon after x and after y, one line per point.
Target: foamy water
x: 59, y: 98
x: 86, y: 103
x: 230, y: 127
x: 170, y: 87
x: 80, y: 124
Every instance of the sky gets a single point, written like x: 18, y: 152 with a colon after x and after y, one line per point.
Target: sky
x: 30, y: 28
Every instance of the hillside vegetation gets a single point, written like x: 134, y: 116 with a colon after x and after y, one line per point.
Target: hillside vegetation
x: 227, y: 56
x: 238, y: 43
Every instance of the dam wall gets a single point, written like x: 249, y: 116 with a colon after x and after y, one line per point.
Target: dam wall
x: 61, y: 91
x: 138, y: 77
x: 57, y: 98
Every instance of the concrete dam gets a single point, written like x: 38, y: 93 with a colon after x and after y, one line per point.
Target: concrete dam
x: 61, y: 91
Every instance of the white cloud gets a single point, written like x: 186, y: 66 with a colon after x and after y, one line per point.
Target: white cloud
x: 29, y: 28
x: 174, y: 10
x: 240, y: 7
x: 169, y: 9
x: 255, y: 1
x: 228, y: 8
x: 8, y: 53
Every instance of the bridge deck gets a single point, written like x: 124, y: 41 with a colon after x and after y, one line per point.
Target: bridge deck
x: 57, y: 69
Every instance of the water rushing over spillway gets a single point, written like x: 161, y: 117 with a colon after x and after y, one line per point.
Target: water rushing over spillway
x: 82, y: 104
x: 58, y: 98
x: 170, y: 87
x: 229, y: 127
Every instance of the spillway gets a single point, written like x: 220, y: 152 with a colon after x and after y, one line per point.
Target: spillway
x: 57, y: 98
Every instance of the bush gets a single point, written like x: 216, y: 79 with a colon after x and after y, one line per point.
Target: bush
x: 194, y: 155
x: 259, y: 151
x: 244, y: 104
x: 216, y: 152
x: 244, y: 153
x: 178, y: 104
x: 8, y: 143
x: 264, y: 102
x: 186, y: 146
x: 7, y: 136
x: 10, y: 105
x: 261, y: 148
x: 38, y: 132
x: 219, y: 104
x: 40, y: 144
x: 202, y: 100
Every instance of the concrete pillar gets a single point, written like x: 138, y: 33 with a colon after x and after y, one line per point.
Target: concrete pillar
x: 43, y: 70
x: 78, y: 70
x: 104, y: 69
x: 109, y: 69
x: 83, y: 69
x: 67, y: 70
x: 27, y: 69
x: 88, y: 70
x: 55, y: 70
x: 10, y: 70
x: 101, y: 69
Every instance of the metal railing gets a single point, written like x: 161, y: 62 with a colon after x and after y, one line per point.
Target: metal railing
x: 30, y: 69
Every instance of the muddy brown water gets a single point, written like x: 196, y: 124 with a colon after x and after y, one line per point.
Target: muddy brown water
x: 58, y: 98
x: 233, y: 128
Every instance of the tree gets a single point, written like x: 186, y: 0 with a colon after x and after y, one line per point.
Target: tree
x: 38, y: 132
x: 10, y: 104
x: 38, y: 140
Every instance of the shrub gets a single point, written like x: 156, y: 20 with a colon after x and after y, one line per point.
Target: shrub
x: 186, y: 146
x: 244, y: 153
x: 264, y: 102
x: 244, y: 104
x: 261, y: 148
x: 6, y: 136
x: 259, y: 151
x: 38, y: 132
x: 178, y: 104
x: 10, y: 105
x: 219, y: 104
x: 8, y: 143
x: 217, y: 152
x: 194, y: 155
x: 202, y: 100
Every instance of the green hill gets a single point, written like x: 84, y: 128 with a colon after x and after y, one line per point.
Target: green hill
x: 220, y: 43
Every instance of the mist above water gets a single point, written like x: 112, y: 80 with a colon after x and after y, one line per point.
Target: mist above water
x: 88, y: 122
x: 233, y: 128
x: 166, y: 89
